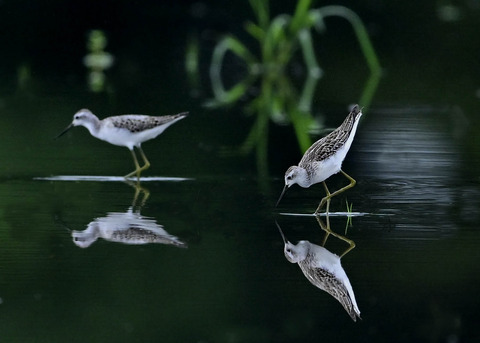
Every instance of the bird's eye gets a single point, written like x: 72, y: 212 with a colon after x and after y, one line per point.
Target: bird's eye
x: 289, y: 177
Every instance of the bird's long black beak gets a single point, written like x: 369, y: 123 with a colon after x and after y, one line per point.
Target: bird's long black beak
x: 281, y: 195
x: 64, y: 131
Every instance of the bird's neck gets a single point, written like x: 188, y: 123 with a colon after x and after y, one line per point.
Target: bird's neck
x: 93, y: 126
x: 305, y: 176
x: 355, y: 123
x: 303, y: 248
x: 349, y: 141
x: 300, y: 251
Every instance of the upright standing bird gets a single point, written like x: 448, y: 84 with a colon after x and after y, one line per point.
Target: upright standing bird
x: 324, y: 158
x: 129, y: 130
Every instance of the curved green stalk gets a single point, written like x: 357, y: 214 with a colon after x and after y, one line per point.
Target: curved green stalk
x: 365, y: 45
x: 360, y: 32
x: 262, y: 12
x: 300, y: 16
x: 223, y: 96
x: 192, y: 61
x: 279, y: 38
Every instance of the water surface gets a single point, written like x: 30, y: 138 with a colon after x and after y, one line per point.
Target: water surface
x: 194, y: 254
x: 414, y: 225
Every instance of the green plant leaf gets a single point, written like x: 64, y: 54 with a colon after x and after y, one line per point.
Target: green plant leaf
x: 275, y: 34
x: 255, y: 31
x: 300, y: 17
x: 262, y: 12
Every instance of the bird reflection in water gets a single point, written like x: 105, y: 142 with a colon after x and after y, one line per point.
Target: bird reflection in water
x: 323, y: 268
x: 128, y: 227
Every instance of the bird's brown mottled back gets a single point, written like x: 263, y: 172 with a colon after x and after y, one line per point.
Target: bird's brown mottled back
x: 140, y: 123
x: 328, y: 145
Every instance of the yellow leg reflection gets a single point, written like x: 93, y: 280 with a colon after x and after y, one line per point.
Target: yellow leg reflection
x: 139, y: 189
x: 329, y: 232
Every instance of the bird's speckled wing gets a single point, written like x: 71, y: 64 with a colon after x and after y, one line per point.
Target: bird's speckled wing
x: 327, y: 282
x: 135, y: 235
x: 328, y: 145
x: 139, y: 123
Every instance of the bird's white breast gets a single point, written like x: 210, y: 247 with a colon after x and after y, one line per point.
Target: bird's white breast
x: 116, y: 136
x: 124, y: 137
x: 326, y: 168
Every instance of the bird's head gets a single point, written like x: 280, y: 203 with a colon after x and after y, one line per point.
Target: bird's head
x: 82, y: 118
x: 293, y: 253
x: 293, y: 175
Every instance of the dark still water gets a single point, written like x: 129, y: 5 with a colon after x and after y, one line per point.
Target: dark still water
x: 197, y: 257
x: 194, y: 253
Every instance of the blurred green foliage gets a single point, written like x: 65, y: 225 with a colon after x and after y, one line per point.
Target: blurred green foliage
x: 279, y: 39
x: 97, y: 60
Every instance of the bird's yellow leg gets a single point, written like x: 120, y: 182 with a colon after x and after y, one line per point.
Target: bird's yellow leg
x: 145, y: 160
x: 138, y: 170
x: 350, y: 185
x: 137, y: 166
x: 330, y: 195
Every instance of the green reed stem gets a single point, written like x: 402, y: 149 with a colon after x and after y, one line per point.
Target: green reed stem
x: 360, y: 32
x: 233, y: 45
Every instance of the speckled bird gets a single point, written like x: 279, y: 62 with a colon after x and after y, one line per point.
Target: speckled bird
x: 129, y: 130
x: 324, y: 159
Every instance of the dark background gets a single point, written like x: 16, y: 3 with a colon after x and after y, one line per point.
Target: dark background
x: 416, y: 158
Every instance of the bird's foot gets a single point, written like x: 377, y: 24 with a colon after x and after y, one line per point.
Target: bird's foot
x: 322, y: 203
x: 136, y: 172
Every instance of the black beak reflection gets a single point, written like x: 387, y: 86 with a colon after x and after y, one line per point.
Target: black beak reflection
x: 281, y: 195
